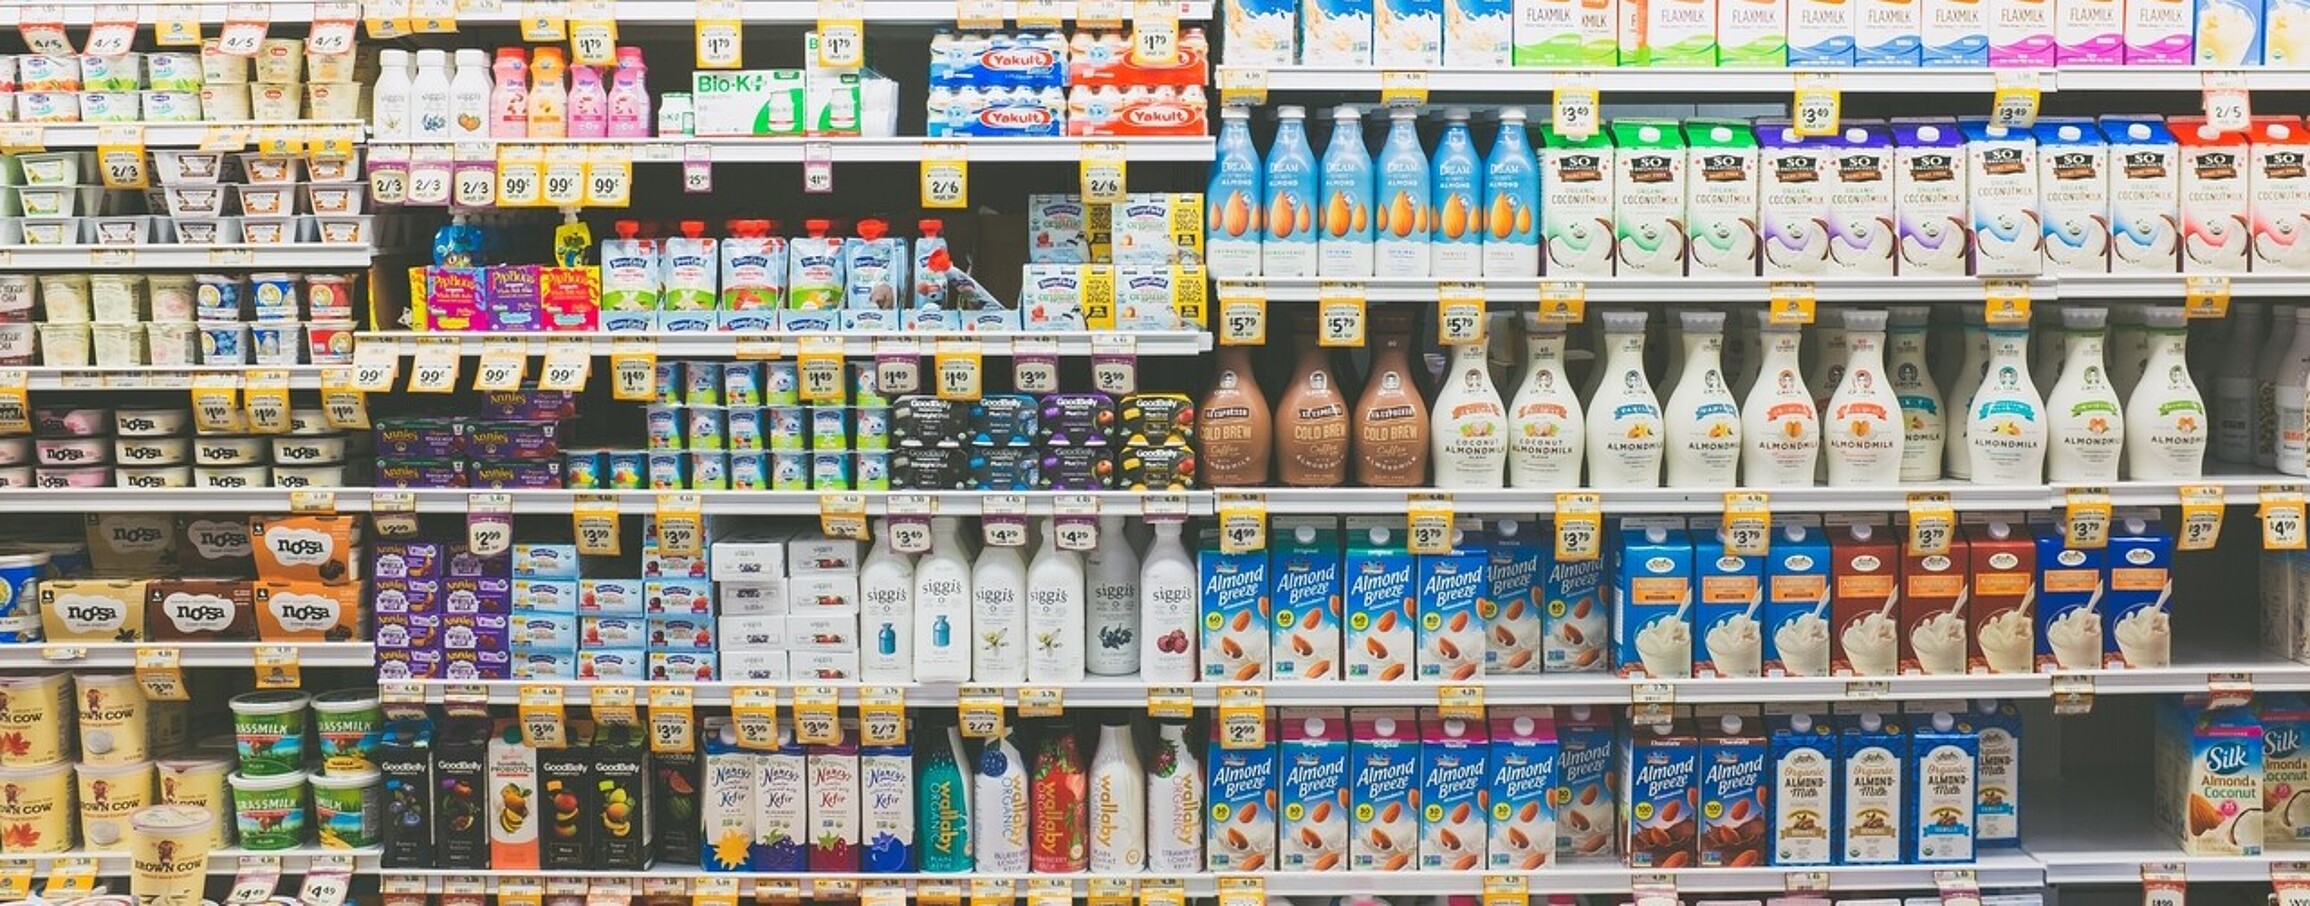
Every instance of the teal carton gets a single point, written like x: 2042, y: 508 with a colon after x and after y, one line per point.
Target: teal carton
x: 1943, y: 801
x: 1806, y: 783
x: 1455, y: 828
x: 1652, y: 586
x: 1875, y: 756
x: 1241, y: 794
x: 1796, y: 590
x: 1379, y: 604
x: 1575, y: 623
x: 1235, y: 612
x: 1313, y: 790
x: 1518, y: 557
x: 1383, y: 792
x: 1523, y: 789
x: 1305, y: 567
x: 1451, y: 605
x: 1732, y: 595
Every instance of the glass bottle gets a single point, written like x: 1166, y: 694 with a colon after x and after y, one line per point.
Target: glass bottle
x: 1391, y: 420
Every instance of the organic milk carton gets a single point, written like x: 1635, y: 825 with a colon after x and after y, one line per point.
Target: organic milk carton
x: 1720, y: 198
x: 2144, y: 189
x: 2279, y: 203
x: 1242, y: 797
x: 1953, y: 33
x: 2021, y: 33
x: 1573, y: 616
x: 1380, y: 605
x: 1648, y: 196
x: 1566, y: 33
x: 2215, y: 201
x: 1875, y: 758
x: 2089, y: 32
x: 2159, y: 32
x: 1865, y: 569
x: 2135, y: 631
x: 1522, y: 788
x: 1335, y: 33
x: 1861, y: 201
x: 1478, y: 33
x: 1313, y: 790
x: 1792, y: 200
x: 1262, y: 32
x: 1929, y: 197
x: 1752, y: 33
x: 1407, y: 33
x: 2285, y: 769
x: 1576, y: 204
x: 1586, y: 818
x: 1454, y: 825
x: 1518, y: 557
x: 1667, y: 33
x: 1383, y: 806
x: 1731, y: 641
x: 2073, y: 195
x: 1803, y: 800
x: 1235, y: 612
x: 1821, y: 33
x: 1305, y: 566
x: 1733, y: 756
x: 1660, y: 772
x: 1796, y: 597
x: 1887, y: 33
x: 1997, y: 818
x: 1945, y: 756
x: 2207, y: 777
x: 2230, y: 32
x: 2001, y: 175
x: 886, y: 789
x: 1651, y: 594
x: 2069, y: 625
x: 1452, y: 600
x: 2286, y: 34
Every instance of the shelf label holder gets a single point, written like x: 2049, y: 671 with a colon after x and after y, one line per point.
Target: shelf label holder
x: 2202, y: 512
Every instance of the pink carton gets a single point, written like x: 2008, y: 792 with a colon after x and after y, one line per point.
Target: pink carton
x: 835, y: 813
x: 1454, y: 824
x: 1522, y: 788
x: 1383, y: 763
x: 1314, y: 803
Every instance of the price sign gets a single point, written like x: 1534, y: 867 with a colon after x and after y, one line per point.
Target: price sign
x: 614, y: 705
x: 543, y: 717
x: 545, y: 21
x: 1429, y: 525
x: 719, y: 24
x: 841, y: 34
x: 216, y: 403
x: 754, y: 714
x: 1242, y: 315
x: 843, y: 516
x: 160, y: 671
x: 1242, y: 718
x: 1099, y: 14
x: 897, y: 367
x: 2086, y: 518
x: 881, y: 716
x: 22, y: 137
x: 633, y: 370
x: 520, y: 176
x: 2007, y: 303
x: 393, y: 514
x: 1574, y: 108
x: 907, y: 528
x: 1042, y: 701
x: 681, y: 525
x: 70, y: 878
x: 16, y: 876
x: 2164, y: 884
x: 1003, y: 520
x: 2290, y: 881
x: 1173, y: 892
x: 504, y: 363
x: 489, y: 524
x: 1155, y: 34
x: 388, y: 174
x: 593, y: 33
x: 1563, y: 301
x: 120, y: 157
x: 433, y: 16
x: 1404, y: 88
x: 957, y: 366
x: 945, y: 176
x: 1075, y: 522
x: 1038, y: 15
x: 112, y: 30
x: 2014, y: 106
x: 1932, y: 523
x: 278, y: 667
x: 979, y: 709
x: 2206, y: 296
x: 1111, y: 892
x: 1460, y: 319
x: 42, y: 28
x: 672, y: 721
x: 817, y: 168
x: 2227, y: 106
x: 1115, y: 364
x: 818, y: 361
x: 429, y: 176
x: 1748, y: 523
x: 815, y: 721
x: 1242, y: 523
x: 1792, y: 303
x: 2281, y: 514
x: 1579, y: 525
x: 565, y: 183
x: 473, y: 184
x: 697, y: 169
x: 1102, y: 173
x: 594, y: 523
x: 1814, y: 111
x: 1242, y: 87
x: 333, y: 25
x: 266, y: 400
x: 978, y: 15
x: 1339, y: 313
x: 610, y: 178
x: 244, y: 29
x: 1170, y: 702
x: 2202, y: 510
x: 1035, y: 365
x: 567, y: 365
x: 434, y: 366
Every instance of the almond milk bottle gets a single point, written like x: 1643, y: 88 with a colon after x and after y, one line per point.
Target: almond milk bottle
x: 2166, y: 424
x: 1470, y: 426
x: 1344, y: 248
x: 1546, y: 428
x: 1780, y: 428
x: 2234, y: 385
x: 1863, y: 429
x: 1703, y: 423
x: 1624, y: 423
x: 1957, y: 452
x: 2006, y: 426
x: 2083, y: 413
x: 1922, y: 417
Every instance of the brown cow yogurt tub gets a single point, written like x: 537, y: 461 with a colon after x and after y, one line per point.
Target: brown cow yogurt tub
x: 34, y: 710
x: 199, y: 782
x: 113, y: 718
x: 36, y: 809
x: 109, y: 795
x: 169, y: 854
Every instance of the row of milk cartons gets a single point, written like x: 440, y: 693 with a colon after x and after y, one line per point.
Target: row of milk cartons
x: 1481, y: 34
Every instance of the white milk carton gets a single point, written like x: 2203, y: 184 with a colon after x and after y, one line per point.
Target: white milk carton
x: 1720, y: 199
x: 2214, y: 197
x: 1576, y: 225
x: 1262, y: 32
x: 2159, y: 32
x: 1887, y: 33
x: 1861, y: 234
x: 1953, y: 33
x: 1752, y: 33
x: 2089, y: 32
x: 1566, y: 33
x: 1334, y: 33
x: 2280, y: 201
x: 2001, y: 176
x: 1792, y: 200
x: 1821, y: 33
x: 1407, y: 34
x: 2144, y: 195
x: 1648, y: 196
x: 1478, y: 34
x: 2073, y: 195
x: 1929, y: 197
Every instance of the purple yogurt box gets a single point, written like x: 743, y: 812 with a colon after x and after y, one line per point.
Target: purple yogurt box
x: 454, y: 300
x: 528, y: 405
x: 474, y: 594
x: 421, y: 473
x: 515, y: 300
x: 1078, y: 420
x: 404, y: 560
x: 512, y: 440
x: 421, y: 438
x: 526, y: 476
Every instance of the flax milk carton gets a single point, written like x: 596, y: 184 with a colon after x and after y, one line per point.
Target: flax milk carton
x: 1587, y: 820
x: 1452, y: 599
x: 1380, y: 604
x: 2279, y: 206
x: 1875, y: 756
x: 1887, y: 33
x: 1523, y: 789
x: 2001, y: 177
x: 1383, y: 772
x: 1861, y: 236
x: 1576, y: 204
x: 1241, y: 795
x: 1733, y: 785
x: 1648, y: 196
x: 1929, y: 198
x: 1334, y: 33
x: 2073, y: 195
x: 1720, y: 202
x: 1796, y: 598
x: 2021, y: 33
x: 1821, y: 33
x: 2159, y: 32
x: 1792, y: 200
x: 1519, y: 559
x: 1454, y: 823
x: 1731, y: 640
x: 1262, y: 32
x: 1997, y: 819
x: 1408, y: 34
x: 1478, y: 33
x: 1653, y: 577
x: 2207, y: 777
x: 1235, y: 613
x: 2136, y: 631
x: 1313, y: 790
x: 1752, y: 33
x: 1566, y: 33
x: 2144, y: 195
x: 1953, y: 33
x: 2070, y: 589
x: 2089, y: 32
x: 1806, y: 783
x: 1944, y: 762
x: 1306, y: 569
x: 2215, y: 200
x: 1667, y: 33
x: 1661, y: 772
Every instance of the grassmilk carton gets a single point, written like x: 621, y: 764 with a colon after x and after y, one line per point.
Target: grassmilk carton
x: 1953, y: 33
x: 1944, y: 764
x: 1821, y: 33
x: 1574, y: 617
x: 1587, y: 821
x: 1651, y: 595
x: 2089, y: 32
x: 1887, y: 33
x: 1731, y: 597
x: 1792, y: 200
x: 1576, y: 204
x: 1452, y: 600
x: 1796, y: 627
x: 2136, y: 630
x: 2230, y: 32
x: 1335, y: 33
x: 1305, y: 566
x: 2001, y: 177
x: 1455, y: 826
x: 1660, y: 770
x: 1479, y: 33
x: 1312, y: 784
x: 1997, y: 817
x: 1802, y: 813
x: 1648, y: 196
x: 1667, y: 33
x: 2285, y: 770
x: 1235, y: 612
x: 1522, y: 785
x: 1380, y: 606
x: 1566, y: 33
x: 1720, y: 199
x: 2207, y: 777
x: 2159, y: 32
x: 1733, y: 785
x: 2070, y: 589
x: 1407, y: 33
x: 1262, y: 32
x: 1518, y: 559
x: 1861, y: 234
x: 2144, y: 195
x: 2073, y: 195
x: 1929, y: 197
x: 1875, y: 756
x: 2215, y: 200
x: 2021, y: 33
x: 1752, y: 33
x: 2279, y: 205
x: 1240, y: 834
x: 1383, y: 797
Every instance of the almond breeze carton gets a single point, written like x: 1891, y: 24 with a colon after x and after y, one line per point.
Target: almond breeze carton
x: 1944, y: 805
x: 1887, y: 33
x: 1566, y: 33
x: 1379, y: 605
x: 1383, y: 766
x: 1752, y: 33
x: 1587, y: 820
x: 1305, y: 567
x: 2214, y: 197
x: 1805, y: 786
x: 1454, y: 824
x: 1796, y: 627
x: 1731, y: 640
x: 1242, y: 797
x: 1720, y: 201
x: 1861, y: 201
x: 2207, y: 777
x: 1522, y: 788
x: 1648, y: 196
x: 2073, y: 195
x: 2279, y: 206
x: 1652, y: 590
x: 1313, y: 804
x: 1733, y: 785
x: 2136, y: 631
x: 1792, y: 200
x: 1518, y: 558
x: 1574, y: 616
x: 2069, y: 597
x: 1660, y: 770
x: 1576, y: 203
x: 1929, y: 197
x: 1335, y: 32
x: 1953, y: 33
x: 1452, y: 600
x: 1821, y: 33
x: 2001, y: 179
x: 2144, y: 195
x: 1235, y: 612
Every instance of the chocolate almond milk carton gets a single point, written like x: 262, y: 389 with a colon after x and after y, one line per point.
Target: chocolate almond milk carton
x: 1660, y: 769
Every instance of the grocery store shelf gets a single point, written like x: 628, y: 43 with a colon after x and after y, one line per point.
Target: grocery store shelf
x: 163, y: 257
x: 1687, y: 81
x: 561, y: 502
x: 674, y: 149
x: 2172, y: 287
x: 301, y: 377
x: 222, y: 862
x: 71, y: 136
x: 2238, y: 486
x: 784, y: 343
x: 1524, y: 291
x: 629, y: 12
x: 1634, y: 501
x: 191, y: 654
x: 2085, y: 836
x: 2173, y: 78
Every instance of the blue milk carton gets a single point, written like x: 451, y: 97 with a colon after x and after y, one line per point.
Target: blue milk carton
x: 1575, y: 624
x: 1997, y: 782
x: 1235, y: 612
x: 1731, y: 640
x: 1652, y: 583
x: 1875, y: 756
x: 1943, y: 799
x: 1305, y: 568
x: 1313, y: 834
x: 2136, y: 631
x: 2069, y: 590
x: 1383, y: 790
x: 2073, y: 182
x: 1451, y: 606
x: 1796, y: 631
x: 1519, y: 557
x: 1454, y: 823
x: 1241, y: 829
x: 1806, y: 784
x: 1380, y: 602
x: 1523, y: 789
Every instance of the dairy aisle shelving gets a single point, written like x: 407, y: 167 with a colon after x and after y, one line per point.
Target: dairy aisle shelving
x: 223, y: 863
x: 630, y: 12
x: 857, y: 344
x: 1506, y: 292
x: 109, y: 655
x: 1727, y: 81
x: 895, y: 149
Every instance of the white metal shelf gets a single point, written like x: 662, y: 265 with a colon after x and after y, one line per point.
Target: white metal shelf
x: 301, y: 377
x: 670, y: 149
x: 75, y: 136
x: 1688, y: 80
x: 786, y: 343
x: 1871, y: 290
x: 553, y: 502
x: 222, y: 862
x: 191, y: 654
x: 292, y: 256
x: 2085, y: 836
x: 1637, y: 501
x: 630, y: 12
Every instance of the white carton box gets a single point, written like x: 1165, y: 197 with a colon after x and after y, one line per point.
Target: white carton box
x: 747, y: 102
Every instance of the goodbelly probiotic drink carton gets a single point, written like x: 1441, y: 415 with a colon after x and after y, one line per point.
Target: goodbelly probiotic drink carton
x: 2215, y: 200
x: 2144, y: 194
x: 1720, y: 207
x: 1929, y: 197
x: 2073, y: 195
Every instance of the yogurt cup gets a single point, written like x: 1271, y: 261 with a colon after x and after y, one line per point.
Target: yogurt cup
x: 222, y: 342
x: 269, y: 810
x: 109, y: 795
x: 16, y: 296
x: 112, y: 715
x: 269, y: 732
x: 65, y: 297
x: 64, y: 345
x: 234, y: 478
x: 62, y: 421
x: 36, y: 814
x: 34, y: 710
x: 329, y: 342
x: 347, y: 809
x: 117, y: 345
x: 153, y: 477
x: 73, y: 451
x: 276, y: 342
x: 17, y: 343
x: 82, y: 477
x: 169, y: 345
x: 199, y: 781
x: 218, y: 66
x: 169, y: 854
x: 156, y: 422
x: 17, y: 477
x: 309, y: 421
x: 298, y: 477
x: 147, y: 452
x: 241, y: 450
x: 15, y: 451
x: 349, y: 725
x: 172, y: 297
x: 116, y: 298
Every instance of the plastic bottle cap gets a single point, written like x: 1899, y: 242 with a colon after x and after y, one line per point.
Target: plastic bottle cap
x: 1862, y: 531
x: 873, y: 229
x: 2138, y: 131
x: 627, y: 229
x: 1802, y: 723
x: 2136, y: 524
x: 693, y: 229
x: 1304, y: 534
x: 817, y: 228
x: 1655, y: 534
x: 1943, y: 722
x: 929, y: 228
x: 2069, y: 133
x: 1929, y: 133
x: 1872, y: 721
x: 2000, y: 530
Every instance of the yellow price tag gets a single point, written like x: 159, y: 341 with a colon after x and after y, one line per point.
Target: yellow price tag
x: 345, y: 406
x: 720, y: 41
x: 2086, y: 518
x: 1429, y: 524
x: 843, y: 516
x: 1815, y: 109
x: 980, y: 712
x: 543, y: 717
x: 1748, y: 523
x: 881, y: 716
x: 1579, y: 525
x: 2206, y: 296
x: 2007, y: 303
x: 1242, y: 523
x: 15, y: 402
x: 1932, y: 523
x: 594, y: 523
x: 216, y: 404
x: 610, y: 178
x: 593, y: 32
x: 16, y: 138
x: 278, y: 667
x: 673, y: 720
x: 841, y: 34
x: 1464, y: 702
x: 1112, y: 892
x: 160, y: 671
x: 1242, y: 717
x: 1573, y: 109
x: 958, y: 366
x: 1042, y: 701
x: 1155, y: 33
x: 2202, y: 511
x: 2016, y: 101
x: 978, y: 15
x: 177, y: 25
x: 1242, y: 315
x: 819, y: 364
x: 1506, y: 890
x: 754, y: 714
x: 1460, y: 319
x: 545, y: 21
x: 945, y: 176
x: 1170, y: 702
x: 993, y: 891
x: 120, y: 157
x: 1340, y: 315
x: 2281, y: 514
x: 1792, y: 303
x: 265, y: 399
x: 681, y: 525
x: 1242, y: 86
x: 1563, y: 301
x: 1404, y: 88
x: 1102, y: 173
x: 633, y: 370
x: 815, y: 716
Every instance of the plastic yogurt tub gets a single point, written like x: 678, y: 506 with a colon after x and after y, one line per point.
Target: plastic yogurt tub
x: 113, y: 718
x: 309, y: 476
x: 234, y: 477
x: 15, y: 451
x: 169, y: 854
x: 350, y: 726
x: 149, y: 451
x: 73, y: 451
x: 347, y: 809
x: 160, y: 422
x: 269, y: 810
x: 109, y: 794
x: 155, y: 477
x: 36, y: 709
x: 39, y: 818
x: 241, y: 450
x: 269, y: 732
x: 199, y: 781
x: 309, y: 449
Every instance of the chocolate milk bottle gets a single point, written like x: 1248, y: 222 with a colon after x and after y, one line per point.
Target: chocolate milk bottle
x: 1238, y: 429
x: 1311, y: 421
x: 1391, y: 421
